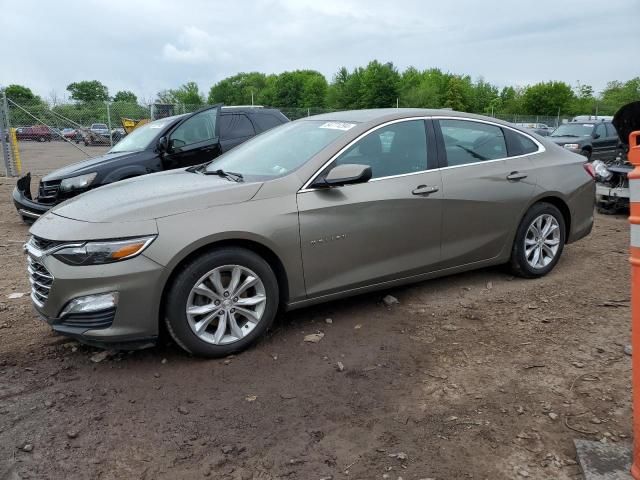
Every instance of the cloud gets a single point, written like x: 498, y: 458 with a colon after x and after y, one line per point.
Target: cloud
x: 151, y: 45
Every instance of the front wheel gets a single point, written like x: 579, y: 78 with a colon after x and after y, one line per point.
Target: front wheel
x: 221, y: 302
x: 539, y: 241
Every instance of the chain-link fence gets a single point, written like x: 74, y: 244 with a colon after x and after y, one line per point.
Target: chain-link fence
x: 39, y: 137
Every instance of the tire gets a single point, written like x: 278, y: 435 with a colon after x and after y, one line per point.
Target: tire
x: 522, y: 264
x: 199, y: 272
x: 42, y: 139
x: 587, y: 153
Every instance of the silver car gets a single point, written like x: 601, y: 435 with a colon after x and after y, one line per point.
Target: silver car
x: 314, y: 210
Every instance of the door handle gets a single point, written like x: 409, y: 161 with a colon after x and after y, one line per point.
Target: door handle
x: 515, y: 176
x: 425, y: 190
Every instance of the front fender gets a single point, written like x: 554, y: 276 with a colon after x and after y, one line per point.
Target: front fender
x: 127, y: 171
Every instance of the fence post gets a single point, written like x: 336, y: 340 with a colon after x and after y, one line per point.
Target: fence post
x: 4, y: 136
x: 634, y: 221
x: 109, y: 122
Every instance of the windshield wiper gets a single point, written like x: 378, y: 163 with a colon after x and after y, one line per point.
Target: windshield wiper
x: 236, y: 177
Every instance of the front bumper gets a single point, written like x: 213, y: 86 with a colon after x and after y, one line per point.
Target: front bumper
x: 134, y: 319
x: 28, y: 209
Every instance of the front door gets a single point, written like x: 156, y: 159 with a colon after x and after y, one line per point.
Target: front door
x: 387, y: 228
x: 194, y: 140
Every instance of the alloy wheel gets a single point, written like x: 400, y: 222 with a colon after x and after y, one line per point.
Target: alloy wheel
x: 226, y: 304
x: 542, y: 241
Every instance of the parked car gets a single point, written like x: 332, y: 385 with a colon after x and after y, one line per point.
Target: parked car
x: 37, y: 133
x: 540, y: 128
x: 99, y: 129
x: 310, y: 211
x: 594, y: 140
x: 69, y: 133
x: 165, y: 144
x: 612, y: 176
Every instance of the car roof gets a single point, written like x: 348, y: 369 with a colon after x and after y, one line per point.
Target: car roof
x: 379, y: 115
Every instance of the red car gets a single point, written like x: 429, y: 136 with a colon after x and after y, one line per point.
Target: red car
x: 39, y: 133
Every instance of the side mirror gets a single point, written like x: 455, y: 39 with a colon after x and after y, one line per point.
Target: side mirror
x: 347, y: 174
x: 163, y: 144
x: 596, y: 135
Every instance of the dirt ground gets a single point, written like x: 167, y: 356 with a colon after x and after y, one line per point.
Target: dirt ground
x: 480, y: 375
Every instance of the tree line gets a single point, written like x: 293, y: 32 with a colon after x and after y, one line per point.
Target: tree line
x: 375, y: 85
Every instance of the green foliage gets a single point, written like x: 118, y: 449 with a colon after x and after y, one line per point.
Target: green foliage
x: 618, y: 94
x: 88, y: 91
x: 20, y: 94
x: 548, y: 98
x: 125, y: 96
x: 187, y: 94
x: 238, y: 89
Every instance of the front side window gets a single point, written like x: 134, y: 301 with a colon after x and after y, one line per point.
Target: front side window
x: 394, y: 149
x: 471, y: 142
x: 611, y: 130
x: 199, y: 128
x: 601, y: 131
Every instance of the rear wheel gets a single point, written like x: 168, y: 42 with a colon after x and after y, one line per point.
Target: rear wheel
x: 221, y: 302
x: 539, y: 241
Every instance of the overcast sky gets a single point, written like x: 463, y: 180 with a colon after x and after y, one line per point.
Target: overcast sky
x: 150, y: 45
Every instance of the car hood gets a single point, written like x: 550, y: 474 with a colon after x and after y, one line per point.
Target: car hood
x: 563, y: 140
x: 153, y: 196
x: 87, y: 166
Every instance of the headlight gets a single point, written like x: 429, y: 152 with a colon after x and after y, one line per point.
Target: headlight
x: 98, y: 253
x: 572, y: 146
x: 74, y: 183
x: 602, y: 172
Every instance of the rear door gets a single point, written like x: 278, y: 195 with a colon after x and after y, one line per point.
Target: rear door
x: 485, y: 189
x: 387, y: 228
x: 194, y: 140
x: 235, y: 128
x: 601, y: 144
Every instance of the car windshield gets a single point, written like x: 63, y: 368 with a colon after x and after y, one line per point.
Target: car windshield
x: 140, y: 138
x: 281, y: 150
x: 573, y: 130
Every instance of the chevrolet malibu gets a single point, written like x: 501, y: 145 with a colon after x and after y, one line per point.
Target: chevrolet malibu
x: 314, y: 210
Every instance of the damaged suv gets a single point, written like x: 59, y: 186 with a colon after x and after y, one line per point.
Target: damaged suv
x: 165, y: 144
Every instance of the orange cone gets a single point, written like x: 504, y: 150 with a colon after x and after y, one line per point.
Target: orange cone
x: 634, y: 220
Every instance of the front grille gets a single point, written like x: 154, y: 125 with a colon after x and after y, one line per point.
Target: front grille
x: 48, y: 192
x: 44, y: 244
x: 40, y: 279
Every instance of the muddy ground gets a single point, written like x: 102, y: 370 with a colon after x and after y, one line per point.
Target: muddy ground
x: 480, y: 375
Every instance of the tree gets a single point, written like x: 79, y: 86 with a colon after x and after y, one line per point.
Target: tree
x: 238, y: 89
x: 617, y: 94
x: 125, y: 96
x: 21, y: 94
x: 187, y: 94
x: 88, y: 91
x: 379, y: 87
x: 547, y: 98
x: 453, y: 97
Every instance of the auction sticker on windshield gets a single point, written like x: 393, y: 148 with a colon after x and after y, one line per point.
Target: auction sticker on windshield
x: 157, y: 125
x: 338, y: 125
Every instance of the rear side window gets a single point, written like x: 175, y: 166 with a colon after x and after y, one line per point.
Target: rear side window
x: 611, y: 130
x: 472, y: 142
x: 235, y: 126
x: 266, y: 121
x: 518, y: 144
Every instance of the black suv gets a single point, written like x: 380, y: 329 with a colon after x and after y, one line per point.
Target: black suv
x: 172, y: 142
x: 596, y: 140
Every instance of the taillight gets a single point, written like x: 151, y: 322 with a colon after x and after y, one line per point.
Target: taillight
x: 590, y: 170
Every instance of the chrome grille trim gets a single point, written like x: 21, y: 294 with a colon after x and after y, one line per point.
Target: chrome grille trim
x: 41, y: 281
